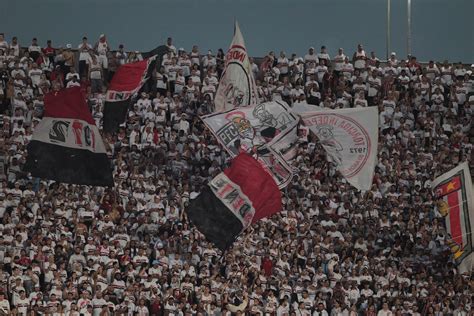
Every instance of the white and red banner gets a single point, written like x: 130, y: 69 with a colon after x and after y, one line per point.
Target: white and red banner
x: 268, y: 131
x: 237, y: 85
x: 350, y: 139
x: 456, y: 203
x: 72, y: 133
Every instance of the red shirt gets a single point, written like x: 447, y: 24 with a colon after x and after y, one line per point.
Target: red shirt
x: 267, y: 266
x: 48, y: 51
x: 24, y: 261
x: 155, y: 308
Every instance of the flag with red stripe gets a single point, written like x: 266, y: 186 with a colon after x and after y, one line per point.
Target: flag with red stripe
x: 233, y: 200
x: 127, y: 81
x: 455, y: 202
x: 66, y: 145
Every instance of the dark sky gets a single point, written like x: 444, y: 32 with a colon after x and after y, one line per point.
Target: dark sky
x: 441, y: 29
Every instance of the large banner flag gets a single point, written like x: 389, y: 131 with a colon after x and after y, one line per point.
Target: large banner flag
x: 66, y: 145
x: 258, y: 130
x: 233, y: 200
x: 237, y: 84
x: 350, y: 138
x: 127, y: 81
x: 456, y: 203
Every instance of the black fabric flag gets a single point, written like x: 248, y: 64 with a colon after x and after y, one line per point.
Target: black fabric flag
x: 66, y: 145
x: 159, y: 51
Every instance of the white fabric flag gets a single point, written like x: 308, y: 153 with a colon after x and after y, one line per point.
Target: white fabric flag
x: 267, y: 130
x: 350, y: 138
x: 237, y: 85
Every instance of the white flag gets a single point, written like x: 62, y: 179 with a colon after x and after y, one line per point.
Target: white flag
x: 267, y: 130
x: 350, y: 138
x: 237, y: 85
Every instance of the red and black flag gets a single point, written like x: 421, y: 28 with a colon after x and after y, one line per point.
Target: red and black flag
x: 126, y: 82
x: 66, y: 145
x: 233, y: 200
x: 455, y: 195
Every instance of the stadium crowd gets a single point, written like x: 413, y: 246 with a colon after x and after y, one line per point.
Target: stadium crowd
x: 129, y: 250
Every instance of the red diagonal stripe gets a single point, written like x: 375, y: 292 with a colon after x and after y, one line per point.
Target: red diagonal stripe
x: 455, y: 218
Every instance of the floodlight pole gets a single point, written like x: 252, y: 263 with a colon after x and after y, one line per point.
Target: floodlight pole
x: 388, y: 28
x: 408, y: 27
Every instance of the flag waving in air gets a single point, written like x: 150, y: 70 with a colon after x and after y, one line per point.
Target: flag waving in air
x: 350, y: 139
x: 66, y: 145
x: 126, y: 82
x: 237, y: 85
x: 456, y: 204
x: 233, y: 200
x: 265, y: 130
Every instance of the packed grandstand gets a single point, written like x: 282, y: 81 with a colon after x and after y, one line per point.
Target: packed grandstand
x: 333, y: 250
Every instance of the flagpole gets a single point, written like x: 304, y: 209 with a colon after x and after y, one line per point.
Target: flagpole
x: 408, y: 27
x: 389, y: 2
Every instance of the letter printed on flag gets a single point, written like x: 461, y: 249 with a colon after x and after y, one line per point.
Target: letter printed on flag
x: 350, y: 139
x: 456, y: 204
x: 66, y: 145
x: 237, y: 84
x: 236, y: 198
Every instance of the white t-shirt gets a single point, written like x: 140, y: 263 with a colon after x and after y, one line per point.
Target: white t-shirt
x: 360, y: 59
x: 34, y: 48
x: 324, y: 56
x: 360, y: 103
x: 374, y: 85
x: 84, y: 55
x: 97, y: 305
x: 309, y: 58
x: 160, y: 82
x: 102, y: 48
x: 339, y: 61
x: 96, y: 71
x: 22, y: 305
x: 4, y: 46
x: 283, y: 64
x: 16, y: 49
x: 35, y: 75
x: 5, y: 306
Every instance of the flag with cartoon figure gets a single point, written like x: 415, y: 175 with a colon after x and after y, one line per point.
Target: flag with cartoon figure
x: 268, y: 131
x: 456, y: 204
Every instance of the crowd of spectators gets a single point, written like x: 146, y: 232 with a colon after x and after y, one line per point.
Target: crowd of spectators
x: 129, y: 250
